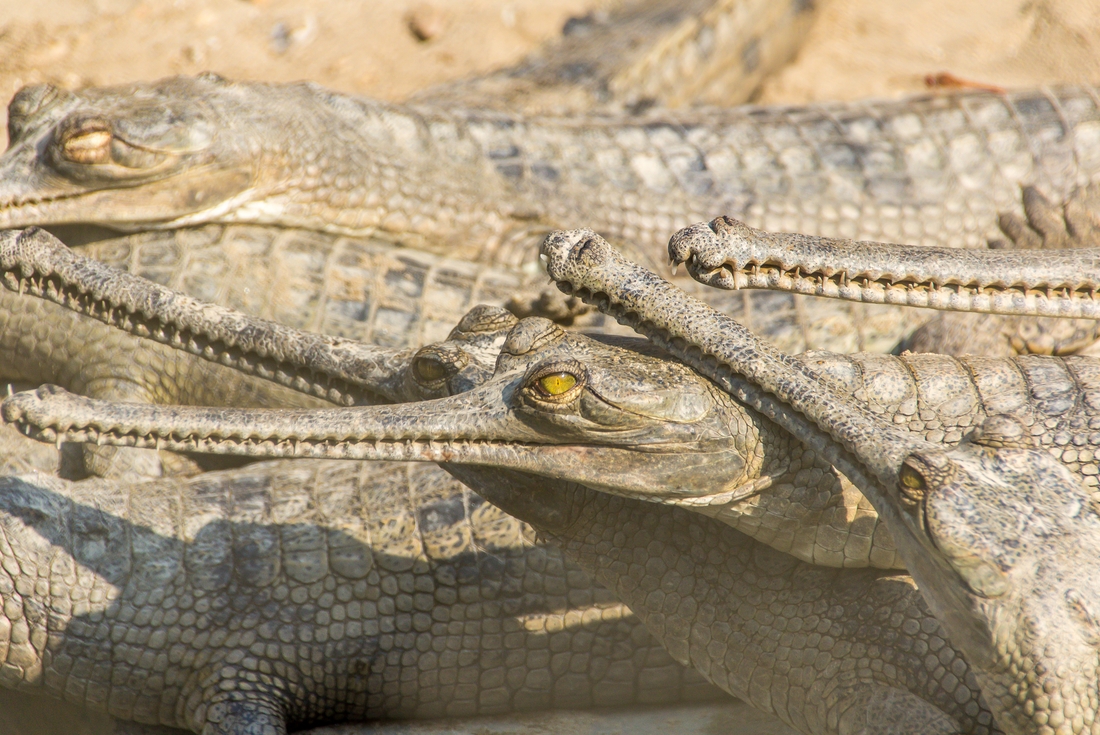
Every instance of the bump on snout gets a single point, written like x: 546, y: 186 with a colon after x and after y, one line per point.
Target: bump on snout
x: 532, y: 334
x: 484, y: 318
x: 569, y: 253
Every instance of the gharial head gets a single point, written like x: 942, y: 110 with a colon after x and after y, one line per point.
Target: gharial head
x: 1017, y: 536
x: 559, y: 405
x: 1002, y: 538
x: 127, y: 156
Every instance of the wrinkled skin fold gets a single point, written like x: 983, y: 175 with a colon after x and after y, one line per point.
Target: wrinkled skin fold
x: 1000, y: 535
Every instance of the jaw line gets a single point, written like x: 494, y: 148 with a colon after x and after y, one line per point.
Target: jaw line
x: 59, y: 201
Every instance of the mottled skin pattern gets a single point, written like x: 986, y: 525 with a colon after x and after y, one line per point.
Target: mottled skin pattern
x: 1001, y: 535
x: 1014, y: 537
x: 848, y: 677
x: 826, y: 650
x: 770, y: 487
x: 492, y: 534
x: 366, y: 290
x: 290, y: 594
x: 933, y: 170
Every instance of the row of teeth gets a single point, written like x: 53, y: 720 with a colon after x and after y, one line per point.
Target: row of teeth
x: 253, y: 445
x: 50, y: 288
x: 35, y: 201
x: 772, y: 272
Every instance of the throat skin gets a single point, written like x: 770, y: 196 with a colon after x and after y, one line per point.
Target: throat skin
x: 733, y: 608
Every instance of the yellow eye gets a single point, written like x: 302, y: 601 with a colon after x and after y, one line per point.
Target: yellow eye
x: 92, y: 146
x: 429, y: 370
x: 555, y: 384
x: 913, y: 485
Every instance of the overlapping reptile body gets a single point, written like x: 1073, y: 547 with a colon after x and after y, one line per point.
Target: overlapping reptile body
x: 318, y: 592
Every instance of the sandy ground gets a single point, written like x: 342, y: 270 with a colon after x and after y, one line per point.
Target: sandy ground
x: 858, y: 48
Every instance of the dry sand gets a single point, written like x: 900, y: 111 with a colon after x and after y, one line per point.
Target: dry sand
x: 859, y: 48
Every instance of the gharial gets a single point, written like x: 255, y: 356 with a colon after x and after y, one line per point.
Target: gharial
x: 231, y: 233
x: 488, y: 186
x: 667, y: 563
x: 432, y: 577
x: 345, y: 288
x: 1000, y: 534
x: 467, y: 438
x: 858, y: 700
x: 121, y: 314
x: 526, y: 336
x: 770, y: 489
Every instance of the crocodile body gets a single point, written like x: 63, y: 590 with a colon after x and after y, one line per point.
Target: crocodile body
x: 1001, y: 535
x: 364, y: 289
x: 711, y: 594
x: 324, y: 592
x: 933, y: 170
x: 767, y: 487
x: 903, y: 685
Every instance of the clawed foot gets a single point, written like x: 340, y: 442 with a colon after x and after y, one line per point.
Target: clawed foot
x: 1050, y: 226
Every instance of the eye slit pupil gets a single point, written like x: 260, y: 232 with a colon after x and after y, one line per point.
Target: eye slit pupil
x: 555, y: 384
x: 429, y: 369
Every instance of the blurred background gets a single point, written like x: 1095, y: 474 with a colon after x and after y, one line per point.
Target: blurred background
x: 392, y: 48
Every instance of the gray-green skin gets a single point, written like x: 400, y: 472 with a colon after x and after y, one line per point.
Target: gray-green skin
x: 487, y: 186
x: 43, y: 341
x: 822, y: 522
x: 341, y: 367
x: 294, y: 594
x: 364, y: 290
x: 844, y: 694
x: 826, y: 650
x: 1000, y: 535
x: 753, y: 476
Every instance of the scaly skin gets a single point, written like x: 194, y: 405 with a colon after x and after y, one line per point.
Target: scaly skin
x: 791, y: 500
x: 726, y: 254
x: 935, y: 170
x: 89, y: 288
x: 290, y: 594
x: 367, y: 290
x: 762, y: 483
x: 44, y: 342
x: 826, y: 523
x: 1002, y: 538
x: 364, y: 290
x: 728, y: 606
